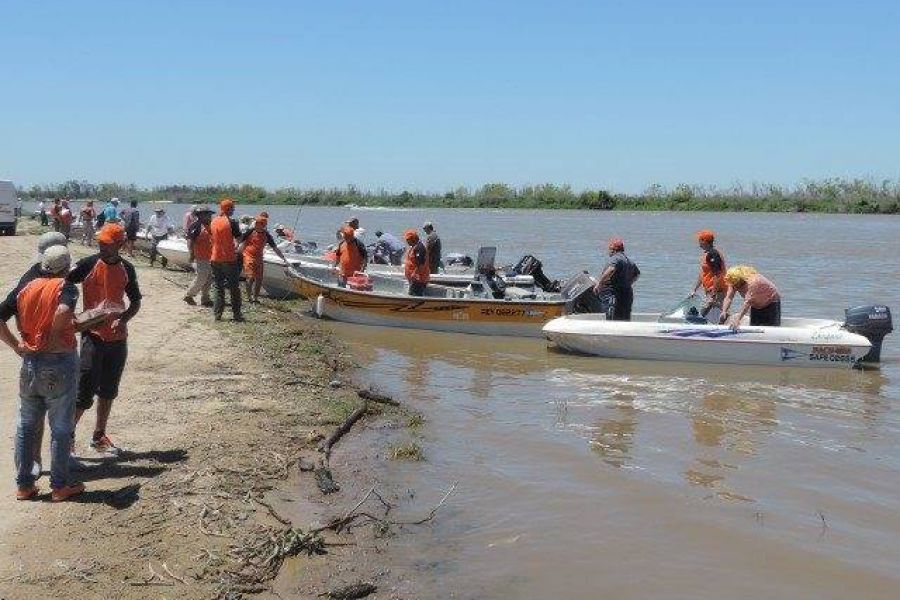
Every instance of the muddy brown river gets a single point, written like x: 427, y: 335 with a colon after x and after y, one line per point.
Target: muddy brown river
x: 587, y: 478
x: 584, y: 478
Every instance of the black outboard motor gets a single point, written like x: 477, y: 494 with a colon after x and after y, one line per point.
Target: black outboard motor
x: 529, y: 265
x: 871, y: 322
x: 494, y: 283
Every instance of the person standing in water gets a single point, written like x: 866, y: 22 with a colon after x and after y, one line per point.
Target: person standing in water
x: 417, y: 268
x: 615, y: 285
x: 712, y: 273
x: 350, y: 255
x: 433, y: 246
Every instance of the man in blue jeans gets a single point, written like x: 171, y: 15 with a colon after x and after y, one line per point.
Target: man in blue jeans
x: 44, y: 306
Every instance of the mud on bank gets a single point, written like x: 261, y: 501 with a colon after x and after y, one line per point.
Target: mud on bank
x: 209, y: 499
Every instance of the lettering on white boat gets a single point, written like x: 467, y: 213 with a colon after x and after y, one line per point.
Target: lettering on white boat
x: 826, y: 336
x: 832, y: 354
x: 842, y: 354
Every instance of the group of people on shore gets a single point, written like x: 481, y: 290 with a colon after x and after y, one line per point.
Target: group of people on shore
x: 615, y: 294
x: 221, y: 251
x: 420, y: 257
x: 56, y: 380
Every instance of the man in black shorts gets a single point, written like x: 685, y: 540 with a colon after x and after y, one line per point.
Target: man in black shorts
x: 106, y: 280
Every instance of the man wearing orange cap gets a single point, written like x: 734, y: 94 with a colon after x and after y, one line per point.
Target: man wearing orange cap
x: 614, y: 288
x: 416, y: 269
x: 106, y: 279
x: 712, y: 273
x: 225, y: 260
x: 350, y: 255
x: 254, y: 245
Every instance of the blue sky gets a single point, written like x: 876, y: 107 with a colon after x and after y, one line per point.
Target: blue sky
x: 433, y: 95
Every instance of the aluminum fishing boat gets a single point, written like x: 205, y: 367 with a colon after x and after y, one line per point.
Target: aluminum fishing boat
x: 474, y: 310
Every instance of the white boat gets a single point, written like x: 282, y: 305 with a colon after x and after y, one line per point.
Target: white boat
x: 796, y: 343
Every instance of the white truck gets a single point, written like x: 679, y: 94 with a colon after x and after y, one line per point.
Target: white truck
x: 7, y: 208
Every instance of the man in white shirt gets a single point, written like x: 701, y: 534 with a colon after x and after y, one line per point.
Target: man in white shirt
x: 158, y: 228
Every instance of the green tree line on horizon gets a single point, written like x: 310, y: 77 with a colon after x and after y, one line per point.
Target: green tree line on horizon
x: 829, y: 195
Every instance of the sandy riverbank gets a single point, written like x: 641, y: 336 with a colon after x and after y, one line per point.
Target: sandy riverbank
x: 215, y: 418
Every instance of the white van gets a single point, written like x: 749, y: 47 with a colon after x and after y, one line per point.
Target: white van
x: 7, y: 208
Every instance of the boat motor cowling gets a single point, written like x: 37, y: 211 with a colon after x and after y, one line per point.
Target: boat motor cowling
x: 873, y: 323
x: 529, y: 265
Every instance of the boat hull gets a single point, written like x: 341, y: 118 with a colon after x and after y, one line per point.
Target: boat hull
x: 806, y: 343
x: 471, y: 316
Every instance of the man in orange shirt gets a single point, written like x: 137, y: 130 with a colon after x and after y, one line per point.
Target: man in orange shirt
x: 254, y: 244
x: 712, y: 273
x: 106, y: 279
x: 350, y: 256
x: 199, y: 240
x: 43, y: 304
x: 417, y: 269
x: 225, y: 260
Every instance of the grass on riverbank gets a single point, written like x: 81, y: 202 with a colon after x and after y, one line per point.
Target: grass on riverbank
x: 856, y: 196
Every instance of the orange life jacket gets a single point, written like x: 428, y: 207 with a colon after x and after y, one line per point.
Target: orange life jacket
x: 106, y: 284
x: 222, y: 240
x: 36, y: 307
x: 349, y: 257
x: 255, y: 244
x: 416, y: 272
x: 712, y: 281
x: 203, y: 243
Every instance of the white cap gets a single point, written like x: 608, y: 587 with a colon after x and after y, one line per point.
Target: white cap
x: 56, y: 259
x: 49, y: 239
x: 115, y: 200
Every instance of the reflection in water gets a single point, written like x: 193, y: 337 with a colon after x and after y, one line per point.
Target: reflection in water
x: 613, y: 437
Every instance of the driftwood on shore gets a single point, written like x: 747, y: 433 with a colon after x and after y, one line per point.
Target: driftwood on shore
x: 342, y: 430
x: 372, y: 396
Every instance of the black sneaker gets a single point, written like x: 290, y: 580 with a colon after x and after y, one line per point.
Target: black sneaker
x: 239, y: 319
x: 190, y: 300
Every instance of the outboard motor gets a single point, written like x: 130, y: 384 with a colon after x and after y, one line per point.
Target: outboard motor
x: 578, y: 291
x: 529, y: 265
x: 494, y: 283
x: 871, y: 322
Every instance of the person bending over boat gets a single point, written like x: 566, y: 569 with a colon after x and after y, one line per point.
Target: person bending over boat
x: 417, y: 268
x: 388, y: 248
x: 350, y: 255
x: 761, y: 298
x: 712, y: 273
x: 614, y: 289
x: 254, y: 245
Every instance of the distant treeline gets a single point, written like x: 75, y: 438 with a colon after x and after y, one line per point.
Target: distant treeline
x: 831, y: 195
